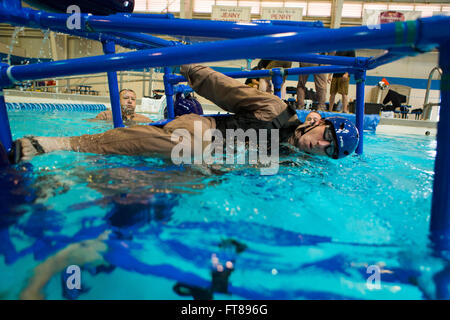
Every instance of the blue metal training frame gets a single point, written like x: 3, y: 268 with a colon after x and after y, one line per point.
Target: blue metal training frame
x: 292, y: 41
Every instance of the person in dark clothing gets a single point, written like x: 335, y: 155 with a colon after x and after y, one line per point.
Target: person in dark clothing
x: 339, y: 83
x: 396, y: 98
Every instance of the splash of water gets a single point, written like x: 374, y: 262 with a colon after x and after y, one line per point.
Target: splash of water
x: 44, y: 41
x: 14, y: 41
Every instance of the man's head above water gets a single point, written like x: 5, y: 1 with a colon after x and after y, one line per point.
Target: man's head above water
x: 313, y: 117
x: 127, y: 102
x: 335, y: 137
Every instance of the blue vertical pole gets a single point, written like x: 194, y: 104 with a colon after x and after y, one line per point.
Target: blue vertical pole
x: 360, y: 77
x: 110, y: 47
x: 277, y: 80
x: 168, y: 89
x: 440, y: 208
x: 5, y: 129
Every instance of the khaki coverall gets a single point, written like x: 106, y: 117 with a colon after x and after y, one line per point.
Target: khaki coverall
x: 229, y: 94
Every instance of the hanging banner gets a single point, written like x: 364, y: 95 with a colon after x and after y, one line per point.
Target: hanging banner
x: 228, y: 13
x: 288, y: 14
x: 375, y: 17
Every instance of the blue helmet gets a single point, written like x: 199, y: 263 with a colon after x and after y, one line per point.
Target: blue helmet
x: 185, y: 105
x: 346, y: 136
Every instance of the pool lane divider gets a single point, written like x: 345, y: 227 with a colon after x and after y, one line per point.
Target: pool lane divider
x: 17, y: 106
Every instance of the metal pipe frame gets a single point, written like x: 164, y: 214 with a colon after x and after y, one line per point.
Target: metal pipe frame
x: 114, y: 96
x: 251, y: 40
x: 145, y: 40
x: 169, y: 92
x: 130, y: 23
x: 269, y: 72
x: 440, y: 209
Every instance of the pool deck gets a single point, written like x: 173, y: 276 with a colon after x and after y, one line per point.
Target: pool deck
x: 49, y: 97
x: 407, y: 126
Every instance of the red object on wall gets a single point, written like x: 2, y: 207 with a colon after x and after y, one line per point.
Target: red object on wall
x: 391, y: 16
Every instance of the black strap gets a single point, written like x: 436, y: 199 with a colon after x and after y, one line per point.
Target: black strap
x: 36, y: 145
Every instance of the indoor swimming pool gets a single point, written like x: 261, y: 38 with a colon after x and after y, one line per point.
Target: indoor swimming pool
x: 142, y: 228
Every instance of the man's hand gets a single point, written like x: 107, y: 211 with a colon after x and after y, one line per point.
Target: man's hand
x: 345, y: 75
x: 330, y: 77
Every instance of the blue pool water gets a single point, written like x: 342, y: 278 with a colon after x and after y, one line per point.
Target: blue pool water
x: 138, y: 227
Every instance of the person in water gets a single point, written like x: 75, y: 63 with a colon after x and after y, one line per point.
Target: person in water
x: 313, y: 117
x: 128, y: 108
x: 335, y: 137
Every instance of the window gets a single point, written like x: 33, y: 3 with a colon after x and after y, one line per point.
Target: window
x: 228, y: 3
x: 297, y: 4
x: 375, y: 6
x: 255, y: 5
x: 174, y: 6
x: 352, y: 10
x: 427, y: 10
x: 319, y: 9
x: 397, y: 7
x: 203, y: 6
x: 157, y: 6
x: 272, y: 4
x: 314, y: 8
x: 140, y: 5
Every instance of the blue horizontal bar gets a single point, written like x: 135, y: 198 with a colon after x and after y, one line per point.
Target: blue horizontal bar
x: 318, y: 70
x: 187, y: 27
x: 130, y: 44
x: 145, y: 38
x: 131, y: 23
x: 400, y: 34
x: 433, y: 30
x: 288, y: 43
x: 268, y: 72
x: 153, y: 15
x: 323, y: 59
